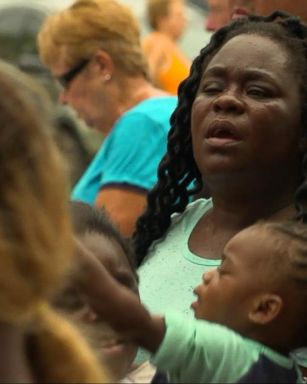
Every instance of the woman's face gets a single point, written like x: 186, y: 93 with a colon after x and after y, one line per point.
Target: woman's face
x: 246, y: 116
x: 87, y: 93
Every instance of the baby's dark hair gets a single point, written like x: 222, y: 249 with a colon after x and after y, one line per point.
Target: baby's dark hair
x: 178, y: 170
x: 86, y: 219
x: 293, y: 245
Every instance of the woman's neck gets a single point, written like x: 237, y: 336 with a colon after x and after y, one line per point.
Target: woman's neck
x: 14, y: 367
x: 136, y: 90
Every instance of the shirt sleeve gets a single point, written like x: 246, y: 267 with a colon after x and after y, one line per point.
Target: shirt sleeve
x: 196, y: 351
x: 134, y: 151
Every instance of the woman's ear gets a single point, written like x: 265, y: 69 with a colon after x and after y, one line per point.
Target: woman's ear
x: 104, y: 64
x: 266, y: 308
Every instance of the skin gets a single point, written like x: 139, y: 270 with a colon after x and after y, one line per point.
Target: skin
x: 230, y: 288
x: 116, y: 351
x: 297, y: 7
x: 100, y: 102
x: 218, y: 14
x: 239, y: 8
x: 248, y: 177
x: 241, y: 295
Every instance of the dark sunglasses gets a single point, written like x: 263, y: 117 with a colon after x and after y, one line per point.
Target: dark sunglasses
x: 65, y: 79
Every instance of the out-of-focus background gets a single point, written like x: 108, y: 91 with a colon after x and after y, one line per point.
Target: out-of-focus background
x: 20, y: 21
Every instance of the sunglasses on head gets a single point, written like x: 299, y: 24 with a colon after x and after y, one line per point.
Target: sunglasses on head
x: 65, y: 79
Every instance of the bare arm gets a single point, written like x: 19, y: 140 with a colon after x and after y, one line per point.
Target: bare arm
x: 116, y: 304
x: 124, y: 206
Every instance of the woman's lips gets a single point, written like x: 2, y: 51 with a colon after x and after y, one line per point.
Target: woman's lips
x: 221, y: 133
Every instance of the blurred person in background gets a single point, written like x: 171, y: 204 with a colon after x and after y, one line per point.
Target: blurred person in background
x: 168, y: 64
x: 37, y: 344
x: 18, y: 29
x: 93, y: 48
x: 241, y: 8
x: 295, y: 7
x: 218, y: 14
x: 222, y: 11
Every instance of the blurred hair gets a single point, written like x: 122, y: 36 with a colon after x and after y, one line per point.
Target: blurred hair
x: 89, y: 219
x: 289, y: 265
x: 156, y: 10
x: 35, y: 232
x: 88, y: 25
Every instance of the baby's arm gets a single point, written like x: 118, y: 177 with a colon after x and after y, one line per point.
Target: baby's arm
x: 116, y: 304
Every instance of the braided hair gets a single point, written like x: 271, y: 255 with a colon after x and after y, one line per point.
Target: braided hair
x: 177, y: 170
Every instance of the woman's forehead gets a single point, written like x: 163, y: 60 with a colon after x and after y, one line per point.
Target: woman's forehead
x: 252, y: 50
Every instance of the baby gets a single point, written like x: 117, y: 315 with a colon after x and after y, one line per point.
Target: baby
x: 250, y: 312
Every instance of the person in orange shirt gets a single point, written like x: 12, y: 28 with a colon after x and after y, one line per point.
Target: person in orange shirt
x: 168, y: 64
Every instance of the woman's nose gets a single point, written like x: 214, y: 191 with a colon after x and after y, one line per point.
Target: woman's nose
x: 228, y: 103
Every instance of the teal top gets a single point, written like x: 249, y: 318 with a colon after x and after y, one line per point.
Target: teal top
x: 132, y: 151
x: 196, y: 351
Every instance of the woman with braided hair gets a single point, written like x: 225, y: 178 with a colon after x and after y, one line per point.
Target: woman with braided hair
x: 37, y: 344
x: 240, y: 125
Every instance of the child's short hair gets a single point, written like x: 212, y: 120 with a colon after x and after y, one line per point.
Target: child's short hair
x: 291, y: 261
x: 86, y: 219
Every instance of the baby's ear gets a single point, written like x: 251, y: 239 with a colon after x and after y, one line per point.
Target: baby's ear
x: 266, y: 308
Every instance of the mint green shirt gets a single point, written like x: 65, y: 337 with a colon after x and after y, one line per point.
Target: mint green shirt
x: 196, y: 351
x: 170, y: 271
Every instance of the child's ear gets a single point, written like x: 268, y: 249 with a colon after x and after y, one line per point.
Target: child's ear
x: 266, y: 308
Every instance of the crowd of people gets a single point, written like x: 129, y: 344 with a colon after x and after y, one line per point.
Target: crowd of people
x: 180, y: 256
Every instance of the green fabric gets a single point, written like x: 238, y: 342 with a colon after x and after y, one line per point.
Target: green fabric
x: 171, y: 271
x: 196, y: 351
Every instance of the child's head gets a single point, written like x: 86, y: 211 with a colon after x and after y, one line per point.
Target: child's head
x: 260, y: 289
x: 95, y: 231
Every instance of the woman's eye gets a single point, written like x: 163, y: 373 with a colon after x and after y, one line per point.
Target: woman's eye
x: 212, y: 88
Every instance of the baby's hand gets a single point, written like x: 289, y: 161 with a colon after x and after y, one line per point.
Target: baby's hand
x: 116, y: 304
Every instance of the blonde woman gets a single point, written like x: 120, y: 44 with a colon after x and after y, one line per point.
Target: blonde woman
x: 168, y: 64
x: 37, y: 344
x: 93, y: 48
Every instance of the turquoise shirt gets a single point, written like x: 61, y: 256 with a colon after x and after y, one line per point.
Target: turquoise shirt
x: 132, y: 151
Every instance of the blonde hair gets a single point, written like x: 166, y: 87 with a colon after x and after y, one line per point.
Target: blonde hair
x: 88, y: 25
x: 156, y: 10
x: 35, y: 231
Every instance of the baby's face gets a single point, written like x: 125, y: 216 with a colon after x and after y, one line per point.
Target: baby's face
x: 226, y: 293
x: 117, y: 353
